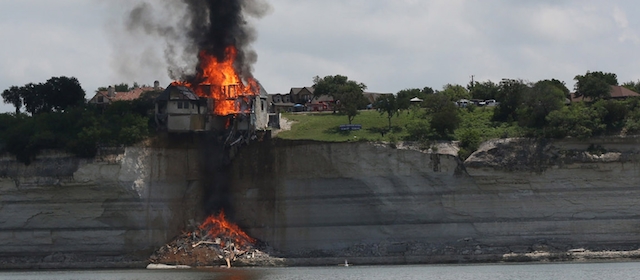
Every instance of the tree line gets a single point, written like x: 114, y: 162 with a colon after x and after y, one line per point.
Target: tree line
x: 57, y: 116
x: 533, y: 109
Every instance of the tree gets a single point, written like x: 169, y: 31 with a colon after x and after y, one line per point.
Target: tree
x: 387, y: 104
x: 123, y: 87
x: 634, y: 86
x: 444, y: 114
x: 541, y: 99
x: 455, y: 92
x: 576, y: 120
x: 484, y: 90
x: 595, y: 85
x: 57, y: 94
x: 346, y: 93
x: 510, y: 97
x: 33, y: 98
x: 63, y: 92
x: 12, y: 96
x: 404, y: 96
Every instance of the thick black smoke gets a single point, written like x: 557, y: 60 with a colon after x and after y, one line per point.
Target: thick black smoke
x: 188, y: 27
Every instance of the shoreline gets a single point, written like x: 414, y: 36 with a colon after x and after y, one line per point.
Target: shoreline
x: 572, y: 256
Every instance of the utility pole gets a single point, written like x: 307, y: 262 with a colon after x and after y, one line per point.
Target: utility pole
x: 472, y: 82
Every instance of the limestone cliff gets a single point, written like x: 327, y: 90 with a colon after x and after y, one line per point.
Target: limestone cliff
x: 114, y: 209
x: 405, y: 205
x: 377, y: 203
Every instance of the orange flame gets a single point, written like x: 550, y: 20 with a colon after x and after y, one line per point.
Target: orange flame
x: 220, y: 81
x: 218, y: 226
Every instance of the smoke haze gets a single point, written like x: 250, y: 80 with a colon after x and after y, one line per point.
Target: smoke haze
x: 172, y: 33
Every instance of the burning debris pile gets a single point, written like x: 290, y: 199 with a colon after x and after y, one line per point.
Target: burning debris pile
x: 214, y: 242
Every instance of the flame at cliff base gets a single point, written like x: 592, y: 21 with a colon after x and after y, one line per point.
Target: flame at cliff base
x: 220, y: 81
x: 217, y: 226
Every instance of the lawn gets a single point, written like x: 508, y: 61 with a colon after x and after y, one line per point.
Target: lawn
x: 325, y: 127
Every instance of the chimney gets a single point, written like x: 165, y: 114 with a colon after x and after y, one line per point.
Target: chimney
x: 111, y: 92
x: 156, y: 85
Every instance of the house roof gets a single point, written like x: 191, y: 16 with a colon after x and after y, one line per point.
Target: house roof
x: 616, y: 92
x: 296, y: 91
x: 183, y: 92
x: 123, y: 95
x: 621, y: 92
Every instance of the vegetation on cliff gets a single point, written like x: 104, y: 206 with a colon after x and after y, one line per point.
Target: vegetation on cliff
x: 58, y: 117
x: 544, y: 109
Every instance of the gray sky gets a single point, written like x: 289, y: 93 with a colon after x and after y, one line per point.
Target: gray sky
x: 389, y: 45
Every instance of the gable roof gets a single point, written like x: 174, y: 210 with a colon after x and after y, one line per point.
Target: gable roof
x: 616, y: 92
x: 296, y: 91
x: 621, y: 92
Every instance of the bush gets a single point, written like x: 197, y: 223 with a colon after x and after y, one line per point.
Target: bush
x: 577, y: 120
x: 419, y: 130
x: 470, y: 140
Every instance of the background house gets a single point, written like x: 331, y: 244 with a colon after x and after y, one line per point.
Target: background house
x: 106, y: 97
x: 617, y: 92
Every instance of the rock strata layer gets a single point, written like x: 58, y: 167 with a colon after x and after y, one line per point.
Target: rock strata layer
x: 322, y: 203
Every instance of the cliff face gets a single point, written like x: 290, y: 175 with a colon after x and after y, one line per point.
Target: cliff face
x: 369, y: 200
x: 381, y: 203
x: 116, y: 208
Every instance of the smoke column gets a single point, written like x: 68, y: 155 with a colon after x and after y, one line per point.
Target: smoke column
x: 188, y: 27
x: 185, y: 28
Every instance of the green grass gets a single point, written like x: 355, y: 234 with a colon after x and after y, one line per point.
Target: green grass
x: 325, y: 127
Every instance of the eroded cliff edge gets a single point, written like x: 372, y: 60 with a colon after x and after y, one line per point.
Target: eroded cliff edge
x: 319, y: 203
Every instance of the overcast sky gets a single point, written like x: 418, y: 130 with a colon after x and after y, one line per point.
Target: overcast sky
x: 389, y: 45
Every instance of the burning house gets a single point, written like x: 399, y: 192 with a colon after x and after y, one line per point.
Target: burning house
x: 180, y: 109
x: 217, y: 99
x: 210, y: 60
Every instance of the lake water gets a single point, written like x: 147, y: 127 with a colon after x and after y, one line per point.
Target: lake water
x: 583, y: 271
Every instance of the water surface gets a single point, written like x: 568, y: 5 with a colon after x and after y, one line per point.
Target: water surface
x: 565, y: 271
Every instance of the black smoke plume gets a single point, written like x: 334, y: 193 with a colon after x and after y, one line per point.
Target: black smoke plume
x: 188, y: 27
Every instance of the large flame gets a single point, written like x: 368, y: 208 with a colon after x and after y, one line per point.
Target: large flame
x: 220, y: 81
x: 217, y: 226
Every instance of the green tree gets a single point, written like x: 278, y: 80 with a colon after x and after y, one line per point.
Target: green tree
x: 387, y: 104
x: 577, y: 120
x: 346, y: 93
x: 57, y: 94
x: 455, y: 92
x: 12, y: 96
x: 404, y: 96
x: 595, y: 85
x: 634, y: 86
x: 444, y: 115
x: 510, y: 97
x: 63, y: 92
x: 484, y: 90
x: 123, y: 87
x: 541, y: 99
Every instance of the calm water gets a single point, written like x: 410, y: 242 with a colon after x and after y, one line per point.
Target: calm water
x: 609, y: 271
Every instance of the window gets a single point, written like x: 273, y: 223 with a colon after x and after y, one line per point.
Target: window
x: 262, y: 105
x: 179, y: 104
x: 100, y: 99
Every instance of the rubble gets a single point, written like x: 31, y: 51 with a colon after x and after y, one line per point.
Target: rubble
x: 216, y: 242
